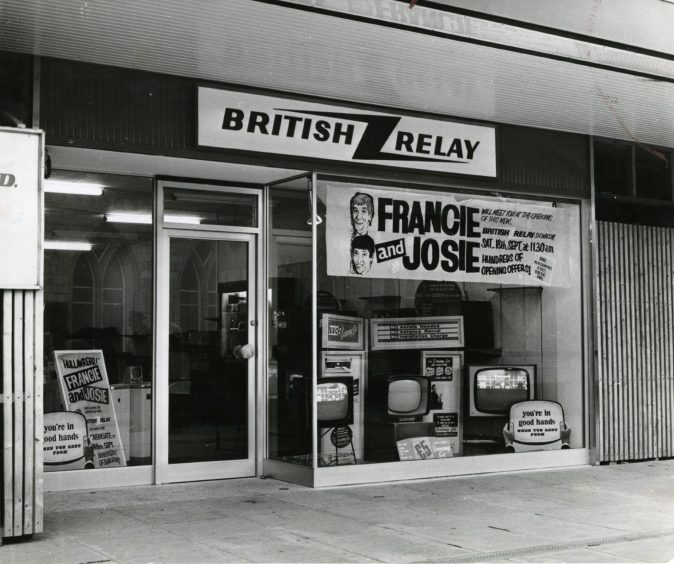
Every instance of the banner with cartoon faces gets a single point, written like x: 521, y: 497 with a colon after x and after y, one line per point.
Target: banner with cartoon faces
x: 435, y: 236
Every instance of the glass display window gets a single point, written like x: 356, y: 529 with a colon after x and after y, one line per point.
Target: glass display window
x: 98, y: 294
x: 289, y: 325
x: 449, y: 325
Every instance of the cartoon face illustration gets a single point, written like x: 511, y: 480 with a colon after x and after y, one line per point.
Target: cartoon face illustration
x: 362, y: 254
x: 362, y: 213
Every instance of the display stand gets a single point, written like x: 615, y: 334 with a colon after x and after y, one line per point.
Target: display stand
x: 350, y: 364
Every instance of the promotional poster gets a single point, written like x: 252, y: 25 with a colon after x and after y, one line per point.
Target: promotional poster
x: 444, y: 369
x: 84, y: 384
x: 434, y: 236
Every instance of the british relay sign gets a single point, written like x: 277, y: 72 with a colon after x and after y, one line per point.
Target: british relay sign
x: 434, y: 236
x: 284, y: 126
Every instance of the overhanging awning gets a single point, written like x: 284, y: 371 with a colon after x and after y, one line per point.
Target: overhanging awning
x: 313, y: 52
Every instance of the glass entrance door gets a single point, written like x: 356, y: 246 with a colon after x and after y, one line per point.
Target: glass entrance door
x: 208, y: 349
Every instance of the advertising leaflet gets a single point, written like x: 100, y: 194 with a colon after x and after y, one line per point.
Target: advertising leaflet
x: 86, y: 390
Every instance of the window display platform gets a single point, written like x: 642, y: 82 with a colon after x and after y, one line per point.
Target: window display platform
x: 426, y: 469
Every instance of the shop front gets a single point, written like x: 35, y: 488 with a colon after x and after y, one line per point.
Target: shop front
x: 317, y: 292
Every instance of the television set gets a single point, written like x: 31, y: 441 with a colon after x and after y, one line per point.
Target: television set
x: 334, y: 401
x: 407, y: 396
x: 493, y: 389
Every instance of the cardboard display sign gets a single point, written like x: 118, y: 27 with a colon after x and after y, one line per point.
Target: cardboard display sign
x: 412, y: 235
x: 84, y: 384
x: 341, y: 332
x: 536, y: 425
x: 66, y: 444
x: 423, y: 448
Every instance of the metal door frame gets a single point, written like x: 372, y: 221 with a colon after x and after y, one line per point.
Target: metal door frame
x: 163, y: 471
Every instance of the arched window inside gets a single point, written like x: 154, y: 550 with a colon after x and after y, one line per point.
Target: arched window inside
x: 82, y: 303
x: 112, y: 302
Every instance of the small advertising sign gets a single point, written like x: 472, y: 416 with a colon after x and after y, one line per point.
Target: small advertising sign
x: 341, y: 332
x: 416, y: 332
x: 65, y: 442
x: 84, y: 384
x: 423, y: 448
x: 536, y: 425
x: 20, y: 208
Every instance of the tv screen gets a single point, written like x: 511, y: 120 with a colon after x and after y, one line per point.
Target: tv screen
x: 334, y: 401
x: 493, y: 389
x: 408, y: 396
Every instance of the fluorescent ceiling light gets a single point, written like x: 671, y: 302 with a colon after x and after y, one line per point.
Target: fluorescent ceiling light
x: 175, y: 218
x: 66, y: 187
x: 146, y: 218
x: 67, y: 246
x: 123, y: 217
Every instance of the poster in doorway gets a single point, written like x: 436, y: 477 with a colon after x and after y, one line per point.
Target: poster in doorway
x: 86, y: 390
x: 444, y: 370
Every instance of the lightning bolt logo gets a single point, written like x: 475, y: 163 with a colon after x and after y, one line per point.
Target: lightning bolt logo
x: 379, y: 129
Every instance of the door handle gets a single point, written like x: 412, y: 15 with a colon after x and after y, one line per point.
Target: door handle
x: 244, y: 351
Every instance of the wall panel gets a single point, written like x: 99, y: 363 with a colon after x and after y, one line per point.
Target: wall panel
x: 21, y: 349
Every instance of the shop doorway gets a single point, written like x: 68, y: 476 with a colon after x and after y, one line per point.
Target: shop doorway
x: 207, y: 333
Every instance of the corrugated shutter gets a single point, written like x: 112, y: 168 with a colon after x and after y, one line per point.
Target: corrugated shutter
x: 636, y: 342
x: 107, y: 107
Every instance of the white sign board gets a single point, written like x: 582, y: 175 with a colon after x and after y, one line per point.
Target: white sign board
x: 415, y: 235
x: 399, y: 333
x: 283, y: 126
x: 20, y: 208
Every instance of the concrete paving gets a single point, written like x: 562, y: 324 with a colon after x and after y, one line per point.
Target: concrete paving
x: 614, y: 513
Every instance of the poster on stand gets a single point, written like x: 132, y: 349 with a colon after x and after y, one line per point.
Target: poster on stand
x: 412, y: 235
x: 444, y: 370
x: 86, y: 390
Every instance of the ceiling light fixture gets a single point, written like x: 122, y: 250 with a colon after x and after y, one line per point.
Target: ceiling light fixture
x: 146, y: 218
x: 67, y: 246
x: 124, y: 217
x: 79, y: 188
x: 188, y: 219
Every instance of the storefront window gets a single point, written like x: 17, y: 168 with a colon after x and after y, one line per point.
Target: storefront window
x: 450, y: 325
x: 98, y: 284
x: 289, y: 373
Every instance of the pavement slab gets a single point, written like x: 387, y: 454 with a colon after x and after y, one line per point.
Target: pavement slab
x: 608, y: 513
